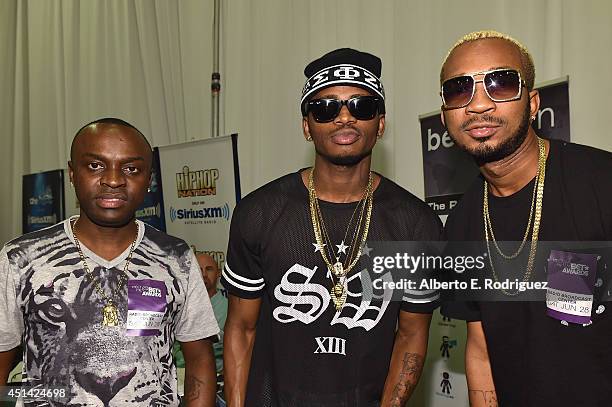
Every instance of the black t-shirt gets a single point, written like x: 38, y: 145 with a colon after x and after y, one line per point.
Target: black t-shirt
x: 537, y: 360
x: 305, y: 354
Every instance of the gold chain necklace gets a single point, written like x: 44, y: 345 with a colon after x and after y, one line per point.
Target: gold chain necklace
x: 538, y: 195
x: 110, y: 314
x: 339, y: 266
x: 338, y: 269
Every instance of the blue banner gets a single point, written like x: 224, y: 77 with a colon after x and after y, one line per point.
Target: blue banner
x: 152, y: 209
x: 43, y: 200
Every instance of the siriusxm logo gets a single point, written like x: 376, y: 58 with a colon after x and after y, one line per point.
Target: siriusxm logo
x: 149, y: 211
x: 200, y: 213
x: 42, y: 220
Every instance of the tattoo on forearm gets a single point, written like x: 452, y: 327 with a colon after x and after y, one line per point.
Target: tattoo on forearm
x: 412, y: 364
x: 488, y: 396
x: 193, y: 388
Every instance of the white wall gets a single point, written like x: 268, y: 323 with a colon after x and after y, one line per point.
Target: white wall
x: 67, y: 62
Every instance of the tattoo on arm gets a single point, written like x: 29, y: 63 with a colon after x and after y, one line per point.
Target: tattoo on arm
x: 488, y: 396
x: 412, y: 364
x: 193, y: 387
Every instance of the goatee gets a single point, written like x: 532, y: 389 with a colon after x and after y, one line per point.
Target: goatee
x: 484, y: 153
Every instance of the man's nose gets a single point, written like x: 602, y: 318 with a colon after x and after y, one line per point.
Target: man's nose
x: 345, y: 116
x: 481, y: 102
x: 113, y: 177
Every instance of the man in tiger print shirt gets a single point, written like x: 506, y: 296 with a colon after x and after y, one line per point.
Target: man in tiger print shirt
x: 98, y: 300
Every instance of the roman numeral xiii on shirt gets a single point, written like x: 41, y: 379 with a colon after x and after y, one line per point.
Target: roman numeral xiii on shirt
x: 330, y: 344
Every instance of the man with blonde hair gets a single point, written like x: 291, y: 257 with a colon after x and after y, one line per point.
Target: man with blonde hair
x: 525, y: 353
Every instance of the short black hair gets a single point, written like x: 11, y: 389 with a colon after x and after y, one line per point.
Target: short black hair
x: 108, y: 120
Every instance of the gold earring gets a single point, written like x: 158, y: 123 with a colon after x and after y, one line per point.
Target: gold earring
x: 309, y: 138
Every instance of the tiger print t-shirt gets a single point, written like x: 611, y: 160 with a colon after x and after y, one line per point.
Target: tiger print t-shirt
x: 50, y: 306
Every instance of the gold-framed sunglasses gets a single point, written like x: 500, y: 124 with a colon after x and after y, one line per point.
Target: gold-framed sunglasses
x: 500, y: 85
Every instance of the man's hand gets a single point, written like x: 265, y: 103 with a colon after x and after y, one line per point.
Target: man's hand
x: 407, y: 359
x: 238, y: 344
x: 478, y: 368
x: 200, y: 377
x: 7, y: 363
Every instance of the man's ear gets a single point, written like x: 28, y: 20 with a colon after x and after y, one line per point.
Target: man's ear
x: 306, y: 129
x: 442, y: 116
x: 381, y: 126
x: 534, y: 102
x: 70, y: 172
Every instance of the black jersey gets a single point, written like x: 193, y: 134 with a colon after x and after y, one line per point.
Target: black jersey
x: 305, y: 353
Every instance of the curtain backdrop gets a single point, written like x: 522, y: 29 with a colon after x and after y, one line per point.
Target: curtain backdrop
x: 67, y: 62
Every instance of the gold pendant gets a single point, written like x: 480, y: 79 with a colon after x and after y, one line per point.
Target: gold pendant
x: 338, y: 269
x: 110, y: 315
x: 338, y: 294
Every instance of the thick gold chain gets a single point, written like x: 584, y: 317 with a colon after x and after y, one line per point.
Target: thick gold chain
x: 319, y: 224
x: 489, y: 224
x: 538, y: 196
x: 339, y: 289
x: 122, y: 278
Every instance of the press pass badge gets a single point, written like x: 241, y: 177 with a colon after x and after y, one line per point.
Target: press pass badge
x: 571, y: 282
x: 146, y: 307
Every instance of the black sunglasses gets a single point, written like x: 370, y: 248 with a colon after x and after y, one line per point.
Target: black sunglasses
x: 500, y: 85
x: 360, y: 107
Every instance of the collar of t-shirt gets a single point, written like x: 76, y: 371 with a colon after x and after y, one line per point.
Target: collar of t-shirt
x: 90, y: 255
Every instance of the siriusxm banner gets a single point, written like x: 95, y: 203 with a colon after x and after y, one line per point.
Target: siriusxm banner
x: 43, y: 200
x: 201, y: 186
x: 448, y: 171
x: 152, y: 209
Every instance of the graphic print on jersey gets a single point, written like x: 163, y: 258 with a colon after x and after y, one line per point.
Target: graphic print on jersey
x: 307, y: 301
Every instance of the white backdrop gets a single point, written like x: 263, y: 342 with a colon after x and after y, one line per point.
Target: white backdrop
x: 66, y: 62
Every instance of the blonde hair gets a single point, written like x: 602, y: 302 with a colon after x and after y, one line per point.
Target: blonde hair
x: 527, y: 68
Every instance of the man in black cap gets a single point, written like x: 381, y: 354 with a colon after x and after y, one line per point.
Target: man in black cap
x: 301, y: 330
